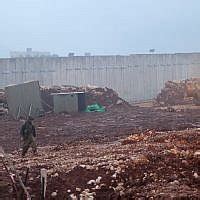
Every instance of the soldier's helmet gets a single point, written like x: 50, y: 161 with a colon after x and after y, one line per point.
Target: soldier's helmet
x: 30, y: 118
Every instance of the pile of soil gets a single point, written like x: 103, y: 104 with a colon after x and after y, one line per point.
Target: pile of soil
x: 153, y: 165
x: 180, y: 93
x: 104, y: 96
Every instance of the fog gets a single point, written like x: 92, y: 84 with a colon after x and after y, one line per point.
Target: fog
x: 99, y: 26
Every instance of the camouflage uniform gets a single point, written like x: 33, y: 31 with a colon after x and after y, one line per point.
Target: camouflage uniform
x: 28, y: 134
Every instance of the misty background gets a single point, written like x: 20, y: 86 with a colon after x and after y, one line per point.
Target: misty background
x: 100, y: 26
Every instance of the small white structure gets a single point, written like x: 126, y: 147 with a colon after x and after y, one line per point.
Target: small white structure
x: 29, y: 53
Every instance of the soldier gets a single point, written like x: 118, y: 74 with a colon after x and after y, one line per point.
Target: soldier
x: 28, y: 135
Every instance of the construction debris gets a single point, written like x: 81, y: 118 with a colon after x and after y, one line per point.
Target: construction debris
x: 2, y: 96
x: 103, y: 96
x: 19, y: 188
x: 182, y: 92
x: 94, y: 95
x: 3, y: 111
x: 3, y: 102
x: 124, y: 153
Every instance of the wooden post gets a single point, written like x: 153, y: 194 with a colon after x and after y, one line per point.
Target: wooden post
x: 19, y: 112
x: 43, y: 173
x: 30, y: 110
x: 10, y: 168
x: 25, y: 181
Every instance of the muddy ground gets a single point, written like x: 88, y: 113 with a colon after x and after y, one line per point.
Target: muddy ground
x: 80, y: 148
x: 115, y: 123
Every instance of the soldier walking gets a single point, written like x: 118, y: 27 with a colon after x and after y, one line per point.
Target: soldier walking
x: 28, y: 135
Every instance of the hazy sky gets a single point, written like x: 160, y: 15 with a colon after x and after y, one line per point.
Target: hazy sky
x: 100, y: 26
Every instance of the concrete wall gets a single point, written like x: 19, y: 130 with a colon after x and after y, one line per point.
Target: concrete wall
x: 135, y: 77
x: 24, y: 99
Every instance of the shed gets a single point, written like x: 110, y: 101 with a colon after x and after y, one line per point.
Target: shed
x: 69, y: 102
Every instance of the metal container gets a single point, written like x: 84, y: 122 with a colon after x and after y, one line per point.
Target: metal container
x: 69, y: 102
x: 65, y: 102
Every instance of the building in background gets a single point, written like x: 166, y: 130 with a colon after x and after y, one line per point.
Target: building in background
x: 29, y: 53
x: 71, y: 54
x: 87, y: 54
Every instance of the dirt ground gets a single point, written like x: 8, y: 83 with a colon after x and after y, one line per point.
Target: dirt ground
x: 90, y: 154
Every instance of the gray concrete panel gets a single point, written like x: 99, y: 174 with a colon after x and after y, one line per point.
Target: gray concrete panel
x: 24, y: 99
x: 135, y: 77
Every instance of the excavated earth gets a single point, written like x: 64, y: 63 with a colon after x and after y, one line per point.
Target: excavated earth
x: 124, y: 153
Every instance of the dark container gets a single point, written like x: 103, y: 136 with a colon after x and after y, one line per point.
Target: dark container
x: 81, y: 101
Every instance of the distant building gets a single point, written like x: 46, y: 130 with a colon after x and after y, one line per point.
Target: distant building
x: 152, y: 50
x: 54, y: 55
x: 87, y: 54
x: 29, y: 53
x: 71, y: 54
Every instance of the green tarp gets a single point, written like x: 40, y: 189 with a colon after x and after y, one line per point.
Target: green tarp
x: 95, y: 108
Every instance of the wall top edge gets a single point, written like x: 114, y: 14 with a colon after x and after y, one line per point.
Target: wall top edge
x: 97, y: 56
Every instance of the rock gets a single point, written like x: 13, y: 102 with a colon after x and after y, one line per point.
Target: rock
x: 114, y: 175
x: 119, y: 102
x: 175, y: 182
x: 197, y: 153
x: 87, y: 190
x: 121, y: 193
x: 90, y: 182
x: 78, y: 189
x: 54, y: 194
x: 103, y: 186
x: 97, y: 187
x: 196, y: 175
x: 185, y: 162
x: 55, y: 175
x: 73, y: 197
x: 89, y: 167
x: 98, y: 180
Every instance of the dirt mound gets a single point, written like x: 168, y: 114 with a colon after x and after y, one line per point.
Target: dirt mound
x: 103, y: 96
x: 157, y: 165
x: 193, y: 90
x: 180, y: 93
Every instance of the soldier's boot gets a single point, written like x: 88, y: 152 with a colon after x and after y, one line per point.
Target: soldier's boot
x: 34, y: 147
x: 25, y: 148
